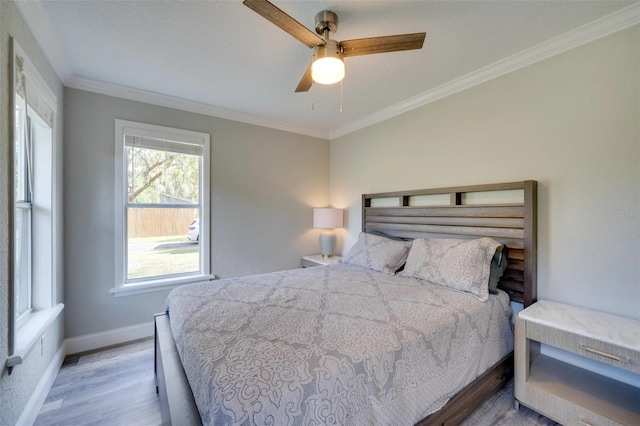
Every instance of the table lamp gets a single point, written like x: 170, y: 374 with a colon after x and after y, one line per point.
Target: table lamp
x: 327, y: 219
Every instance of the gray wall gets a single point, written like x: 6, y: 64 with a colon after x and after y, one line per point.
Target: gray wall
x: 572, y: 122
x: 264, y: 184
x: 15, y: 390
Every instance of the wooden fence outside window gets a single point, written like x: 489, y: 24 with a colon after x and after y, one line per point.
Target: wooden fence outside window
x: 159, y: 222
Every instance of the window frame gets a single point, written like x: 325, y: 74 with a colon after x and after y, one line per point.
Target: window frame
x: 124, y: 286
x: 23, y: 203
x: 40, y: 110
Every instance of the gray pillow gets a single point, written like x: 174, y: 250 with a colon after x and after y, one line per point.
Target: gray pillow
x: 498, y: 266
x: 378, y: 253
x: 462, y: 265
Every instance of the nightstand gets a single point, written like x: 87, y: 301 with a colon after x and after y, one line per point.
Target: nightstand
x: 318, y: 260
x: 567, y: 393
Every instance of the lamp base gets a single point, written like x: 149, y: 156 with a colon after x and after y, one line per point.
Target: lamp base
x: 327, y: 242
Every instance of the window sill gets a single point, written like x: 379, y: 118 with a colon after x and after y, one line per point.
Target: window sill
x: 158, y: 285
x: 30, y: 330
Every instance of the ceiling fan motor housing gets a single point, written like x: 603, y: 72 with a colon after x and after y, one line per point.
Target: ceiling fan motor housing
x: 326, y: 20
x: 331, y: 49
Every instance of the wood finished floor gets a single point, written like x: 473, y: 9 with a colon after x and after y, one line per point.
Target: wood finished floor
x: 116, y: 387
x: 109, y: 387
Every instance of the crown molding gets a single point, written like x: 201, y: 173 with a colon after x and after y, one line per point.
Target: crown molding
x: 186, y: 105
x: 46, y: 36
x: 607, y: 25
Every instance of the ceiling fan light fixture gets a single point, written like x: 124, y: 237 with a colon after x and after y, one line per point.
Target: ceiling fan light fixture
x: 328, y: 65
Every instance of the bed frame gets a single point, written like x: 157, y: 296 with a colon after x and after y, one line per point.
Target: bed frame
x: 513, y: 224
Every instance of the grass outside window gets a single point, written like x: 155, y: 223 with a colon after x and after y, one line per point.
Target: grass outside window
x: 156, y: 256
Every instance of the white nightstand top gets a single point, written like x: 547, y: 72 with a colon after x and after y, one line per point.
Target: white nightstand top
x: 317, y: 258
x: 610, y: 328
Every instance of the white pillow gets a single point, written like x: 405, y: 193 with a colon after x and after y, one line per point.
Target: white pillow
x: 462, y: 265
x: 378, y: 253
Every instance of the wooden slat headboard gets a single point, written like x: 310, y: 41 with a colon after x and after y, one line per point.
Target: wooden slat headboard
x: 513, y: 224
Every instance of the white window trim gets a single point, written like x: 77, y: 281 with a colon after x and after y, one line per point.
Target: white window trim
x: 24, y: 333
x: 121, y: 287
x: 30, y: 330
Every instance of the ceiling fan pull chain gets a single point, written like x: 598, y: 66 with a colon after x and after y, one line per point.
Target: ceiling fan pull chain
x: 341, y: 97
x: 313, y: 93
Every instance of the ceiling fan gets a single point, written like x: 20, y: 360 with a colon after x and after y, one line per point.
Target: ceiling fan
x: 327, y: 66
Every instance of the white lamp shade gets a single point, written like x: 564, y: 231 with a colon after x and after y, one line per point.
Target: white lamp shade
x: 327, y: 218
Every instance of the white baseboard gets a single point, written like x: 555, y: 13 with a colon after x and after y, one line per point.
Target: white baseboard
x: 89, y: 342
x: 31, y: 410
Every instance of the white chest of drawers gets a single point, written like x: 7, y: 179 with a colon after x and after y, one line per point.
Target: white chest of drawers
x: 566, y: 393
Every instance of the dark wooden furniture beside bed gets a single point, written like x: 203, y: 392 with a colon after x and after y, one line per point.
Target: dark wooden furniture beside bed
x: 513, y: 224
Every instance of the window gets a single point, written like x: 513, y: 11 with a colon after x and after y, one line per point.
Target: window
x: 34, y: 233
x: 22, y: 197
x: 162, y: 207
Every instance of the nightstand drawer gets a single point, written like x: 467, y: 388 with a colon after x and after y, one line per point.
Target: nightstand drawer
x: 598, y: 350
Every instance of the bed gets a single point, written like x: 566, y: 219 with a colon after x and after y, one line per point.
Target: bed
x: 346, y: 344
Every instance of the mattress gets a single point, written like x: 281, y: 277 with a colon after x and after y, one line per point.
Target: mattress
x: 333, y: 344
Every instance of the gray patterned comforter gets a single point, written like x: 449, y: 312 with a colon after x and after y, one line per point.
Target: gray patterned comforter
x: 332, y: 345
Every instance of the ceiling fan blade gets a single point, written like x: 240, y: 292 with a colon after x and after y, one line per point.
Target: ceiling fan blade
x: 306, y: 82
x: 371, y: 45
x: 284, y: 21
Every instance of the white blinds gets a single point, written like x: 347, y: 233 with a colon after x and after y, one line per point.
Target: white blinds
x: 179, y: 147
x: 28, y: 85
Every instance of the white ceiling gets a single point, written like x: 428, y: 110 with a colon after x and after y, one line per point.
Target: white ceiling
x: 222, y: 54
